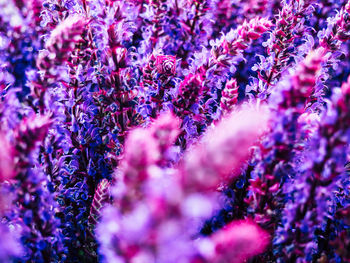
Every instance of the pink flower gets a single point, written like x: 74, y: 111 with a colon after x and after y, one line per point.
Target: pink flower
x: 238, y: 241
x: 237, y: 40
x: 166, y: 64
x: 305, y: 77
x: 223, y: 149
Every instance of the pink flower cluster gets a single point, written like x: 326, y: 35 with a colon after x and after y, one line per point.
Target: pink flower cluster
x: 158, y: 207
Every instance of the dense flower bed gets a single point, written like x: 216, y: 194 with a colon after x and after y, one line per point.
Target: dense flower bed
x: 187, y: 131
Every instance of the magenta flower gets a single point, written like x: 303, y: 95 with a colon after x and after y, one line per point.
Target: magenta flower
x: 235, y: 42
x: 238, y: 241
x: 221, y: 152
x: 166, y: 64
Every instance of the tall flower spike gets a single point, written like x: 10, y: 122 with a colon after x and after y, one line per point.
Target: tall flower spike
x: 316, y: 182
x: 64, y: 36
x: 235, y: 42
x: 274, y: 158
x: 289, y: 22
x: 307, y: 72
x: 223, y: 149
x: 51, y: 60
x: 212, y: 66
x: 231, y: 45
x: 34, y: 203
x: 302, y: 83
x: 339, y: 30
x: 61, y: 42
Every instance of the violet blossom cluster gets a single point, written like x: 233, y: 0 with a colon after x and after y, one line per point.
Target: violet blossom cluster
x: 162, y: 131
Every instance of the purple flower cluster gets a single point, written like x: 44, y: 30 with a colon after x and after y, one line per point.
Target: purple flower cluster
x: 163, y: 131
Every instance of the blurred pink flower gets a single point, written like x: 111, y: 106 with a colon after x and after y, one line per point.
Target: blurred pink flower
x: 305, y: 77
x: 223, y: 149
x: 238, y: 241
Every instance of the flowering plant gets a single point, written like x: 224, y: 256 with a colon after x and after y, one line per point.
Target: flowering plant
x: 167, y: 131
